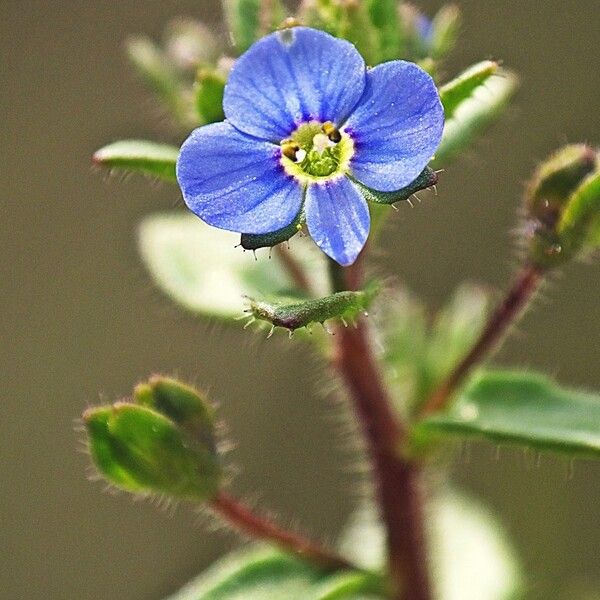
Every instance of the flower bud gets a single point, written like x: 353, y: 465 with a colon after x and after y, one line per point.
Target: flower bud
x: 562, y: 204
x: 161, y: 443
x: 181, y: 403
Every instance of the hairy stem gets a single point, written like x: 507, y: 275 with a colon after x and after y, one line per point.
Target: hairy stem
x: 242, y: 518
x: 508, y: 312
x: 397, y: 481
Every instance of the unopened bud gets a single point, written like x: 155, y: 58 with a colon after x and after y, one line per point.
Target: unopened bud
x: 161, y: 443
x: 562, y: 203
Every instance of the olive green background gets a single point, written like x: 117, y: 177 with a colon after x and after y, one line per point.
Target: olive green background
x: 81, y: 323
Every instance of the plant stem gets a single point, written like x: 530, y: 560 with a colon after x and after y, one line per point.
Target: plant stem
x: 508, y: 312
x: 397, y: 480
x: 242, y: 518
x: 294, y: 269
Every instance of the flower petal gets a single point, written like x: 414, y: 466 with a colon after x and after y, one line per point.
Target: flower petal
x: 397, y: 126
x: 338, y: 219
x: 235, y: 182
x: 290, y: 77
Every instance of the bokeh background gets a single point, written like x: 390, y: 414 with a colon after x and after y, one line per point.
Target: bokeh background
x: 80, y: 321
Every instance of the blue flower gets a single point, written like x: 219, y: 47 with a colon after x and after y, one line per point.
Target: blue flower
x: 305, y: 120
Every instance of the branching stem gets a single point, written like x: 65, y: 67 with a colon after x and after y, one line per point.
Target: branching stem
x: 508, y: 312
x: 242, y: 518
x: 397, y: 480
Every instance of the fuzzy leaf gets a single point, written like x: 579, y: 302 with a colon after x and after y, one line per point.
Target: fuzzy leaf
x: 521, y: 408
x: 199, y: 267
x: 265, y: 574
x: 161, y: 76
x: 420, y: 352
x: 462, y: 87
x: 139, y: 156
x: 470, y: 556
x: 474, y: 114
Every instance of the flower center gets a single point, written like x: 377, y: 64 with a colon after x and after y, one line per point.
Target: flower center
x: 317, y: 152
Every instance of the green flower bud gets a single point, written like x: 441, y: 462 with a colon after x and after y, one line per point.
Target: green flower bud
x: 562, y: 206
x: 181, y: 403
x: 163, y: 443
x: 189, y: 43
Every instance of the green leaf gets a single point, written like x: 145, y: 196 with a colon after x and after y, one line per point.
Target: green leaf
x: 475, y: 114
x: 471, y: 557
x: 161, y: 76
x: 386, y: 19
x: 210, y: 87
x: 419, y: 351
x: 520, y: 408
x: 139, y: 156
x: 446, y: 27
x: 265, y: 574
x: 463, y: 86
x: 199, y: 267
x: 140, y: 450
x: 248, y: 20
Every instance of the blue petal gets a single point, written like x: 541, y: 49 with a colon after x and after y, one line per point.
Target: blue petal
x: 290, y: 77
x: 235, y: 182
x: 397, y: 126
x: 338, y: 219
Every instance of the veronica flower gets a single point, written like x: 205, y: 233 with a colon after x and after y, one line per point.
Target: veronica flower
x: 306, y: 120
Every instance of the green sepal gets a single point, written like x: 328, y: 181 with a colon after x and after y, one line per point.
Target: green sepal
x: 139, y: 156
x: 294, y: 314
x: 580, y: 222
x: 162, y: 77
x: 474, y: 114
x: 389, y: 29
x: 140, y: 450
x: 248, y: 20
x: 562, y: 206
x: 428, y: 178
x: 519, y: 408
x: 261, y: 573
x: 254, y: 241
x: 210, y: 86
x: 462, y: 87
x: 183, y: 404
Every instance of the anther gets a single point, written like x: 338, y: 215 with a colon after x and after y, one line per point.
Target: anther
x: 332, y: 132
x: 290, y: 149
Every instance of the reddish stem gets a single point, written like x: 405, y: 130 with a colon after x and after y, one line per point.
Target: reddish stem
x: 246, y: 521
x: 509, y: 311
x: 397, y: 480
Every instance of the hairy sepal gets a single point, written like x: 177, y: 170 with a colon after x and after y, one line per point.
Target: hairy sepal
x: 427, y: 179
x: 251, y: 241
x: 292, y: 314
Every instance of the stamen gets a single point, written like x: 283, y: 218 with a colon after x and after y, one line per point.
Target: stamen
x: 290, y: 149
x: 332, y: 132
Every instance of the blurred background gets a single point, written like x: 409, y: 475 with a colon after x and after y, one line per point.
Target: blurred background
x: 81, y: 322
